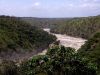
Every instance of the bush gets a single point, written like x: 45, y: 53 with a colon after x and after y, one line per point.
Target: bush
x: 8, y: 68
x: 58, y: 61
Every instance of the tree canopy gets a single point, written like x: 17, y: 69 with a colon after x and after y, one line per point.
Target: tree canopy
x: 78, y: 27
x: 58, y: 61
x: 19, y: 36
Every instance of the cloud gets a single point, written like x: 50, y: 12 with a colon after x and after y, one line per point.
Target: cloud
x: 36, y: 3
x: 50, y: 8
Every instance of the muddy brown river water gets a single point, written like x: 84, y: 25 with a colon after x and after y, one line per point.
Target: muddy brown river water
x: 66, y: 41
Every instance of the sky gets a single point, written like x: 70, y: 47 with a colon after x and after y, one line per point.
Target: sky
x: 50, y: 8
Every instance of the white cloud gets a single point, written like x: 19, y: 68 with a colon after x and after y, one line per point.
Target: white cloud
x: 39, y: 8
x: 71, y: 5
x: 36, y: 3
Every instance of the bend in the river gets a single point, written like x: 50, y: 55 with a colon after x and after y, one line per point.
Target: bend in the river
x: 68, y: 41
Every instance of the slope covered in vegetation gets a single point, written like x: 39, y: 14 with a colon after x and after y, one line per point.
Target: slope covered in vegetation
x: 45, y: 22
x: 16, y: 36
x: 19, y: 36
x: 78, y: 27
x: 58, y: 61
x: 65, y: 61
x: 91, y: 50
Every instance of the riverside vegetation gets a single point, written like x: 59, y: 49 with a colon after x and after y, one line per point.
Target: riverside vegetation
x: 78, y: 27
x: 59, y: 60
x: 19, y: 37
x: 82, y: 27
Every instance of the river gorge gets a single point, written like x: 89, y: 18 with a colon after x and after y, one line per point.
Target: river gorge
x: 67, y: 41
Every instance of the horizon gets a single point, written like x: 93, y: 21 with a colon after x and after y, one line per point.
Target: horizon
x: 49, y: 17
x: 50, y: 8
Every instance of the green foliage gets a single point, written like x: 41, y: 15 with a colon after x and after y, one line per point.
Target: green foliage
x: 58, y: 61
x: 17, y: 35
x: 91, y: 49
x: 78, y: 27
x: 44, y: 22
x: 33, y: 66
x: 8, y: 68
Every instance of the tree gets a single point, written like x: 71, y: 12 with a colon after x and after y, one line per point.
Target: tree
x: 59, y: 61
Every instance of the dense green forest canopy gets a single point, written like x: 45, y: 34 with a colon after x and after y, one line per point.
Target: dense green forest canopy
x: 65, y: 61
x: 91, y: 49
x: 17, y: 35
x: 78, y: 27
x: 45, y: 22
x: 58, y: 61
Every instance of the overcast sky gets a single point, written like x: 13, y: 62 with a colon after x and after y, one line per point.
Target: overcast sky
x: 50, y: 8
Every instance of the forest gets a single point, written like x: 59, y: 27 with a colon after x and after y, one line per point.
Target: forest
x: 82, y: 27
x: 60, y: 60
x: 91, y: 50
x: 78, y: 27
x: 18, y: 35
x: 44, y: 22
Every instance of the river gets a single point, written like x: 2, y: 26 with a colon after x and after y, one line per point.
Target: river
x: 66, y: 41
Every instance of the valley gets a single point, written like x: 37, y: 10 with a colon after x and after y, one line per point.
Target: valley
x: 68, y: 41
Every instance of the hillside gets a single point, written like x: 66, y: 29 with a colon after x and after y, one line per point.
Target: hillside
x: 78, y: 27
x: 58, y: 61
x: 44, y: 22
x: 91, y: 49
x: 17, y: 36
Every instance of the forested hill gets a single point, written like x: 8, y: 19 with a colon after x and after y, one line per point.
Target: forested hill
x: 91, y: 50
x: 44, y: 22
x: 79, y: 27
x: 19, y: 36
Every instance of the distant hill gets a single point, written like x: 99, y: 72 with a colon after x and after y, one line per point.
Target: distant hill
x: 79, y: 27
x: 17, y: 36
x: 44, y: 22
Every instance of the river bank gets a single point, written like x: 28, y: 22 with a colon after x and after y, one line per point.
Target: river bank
x: 68, y: 41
